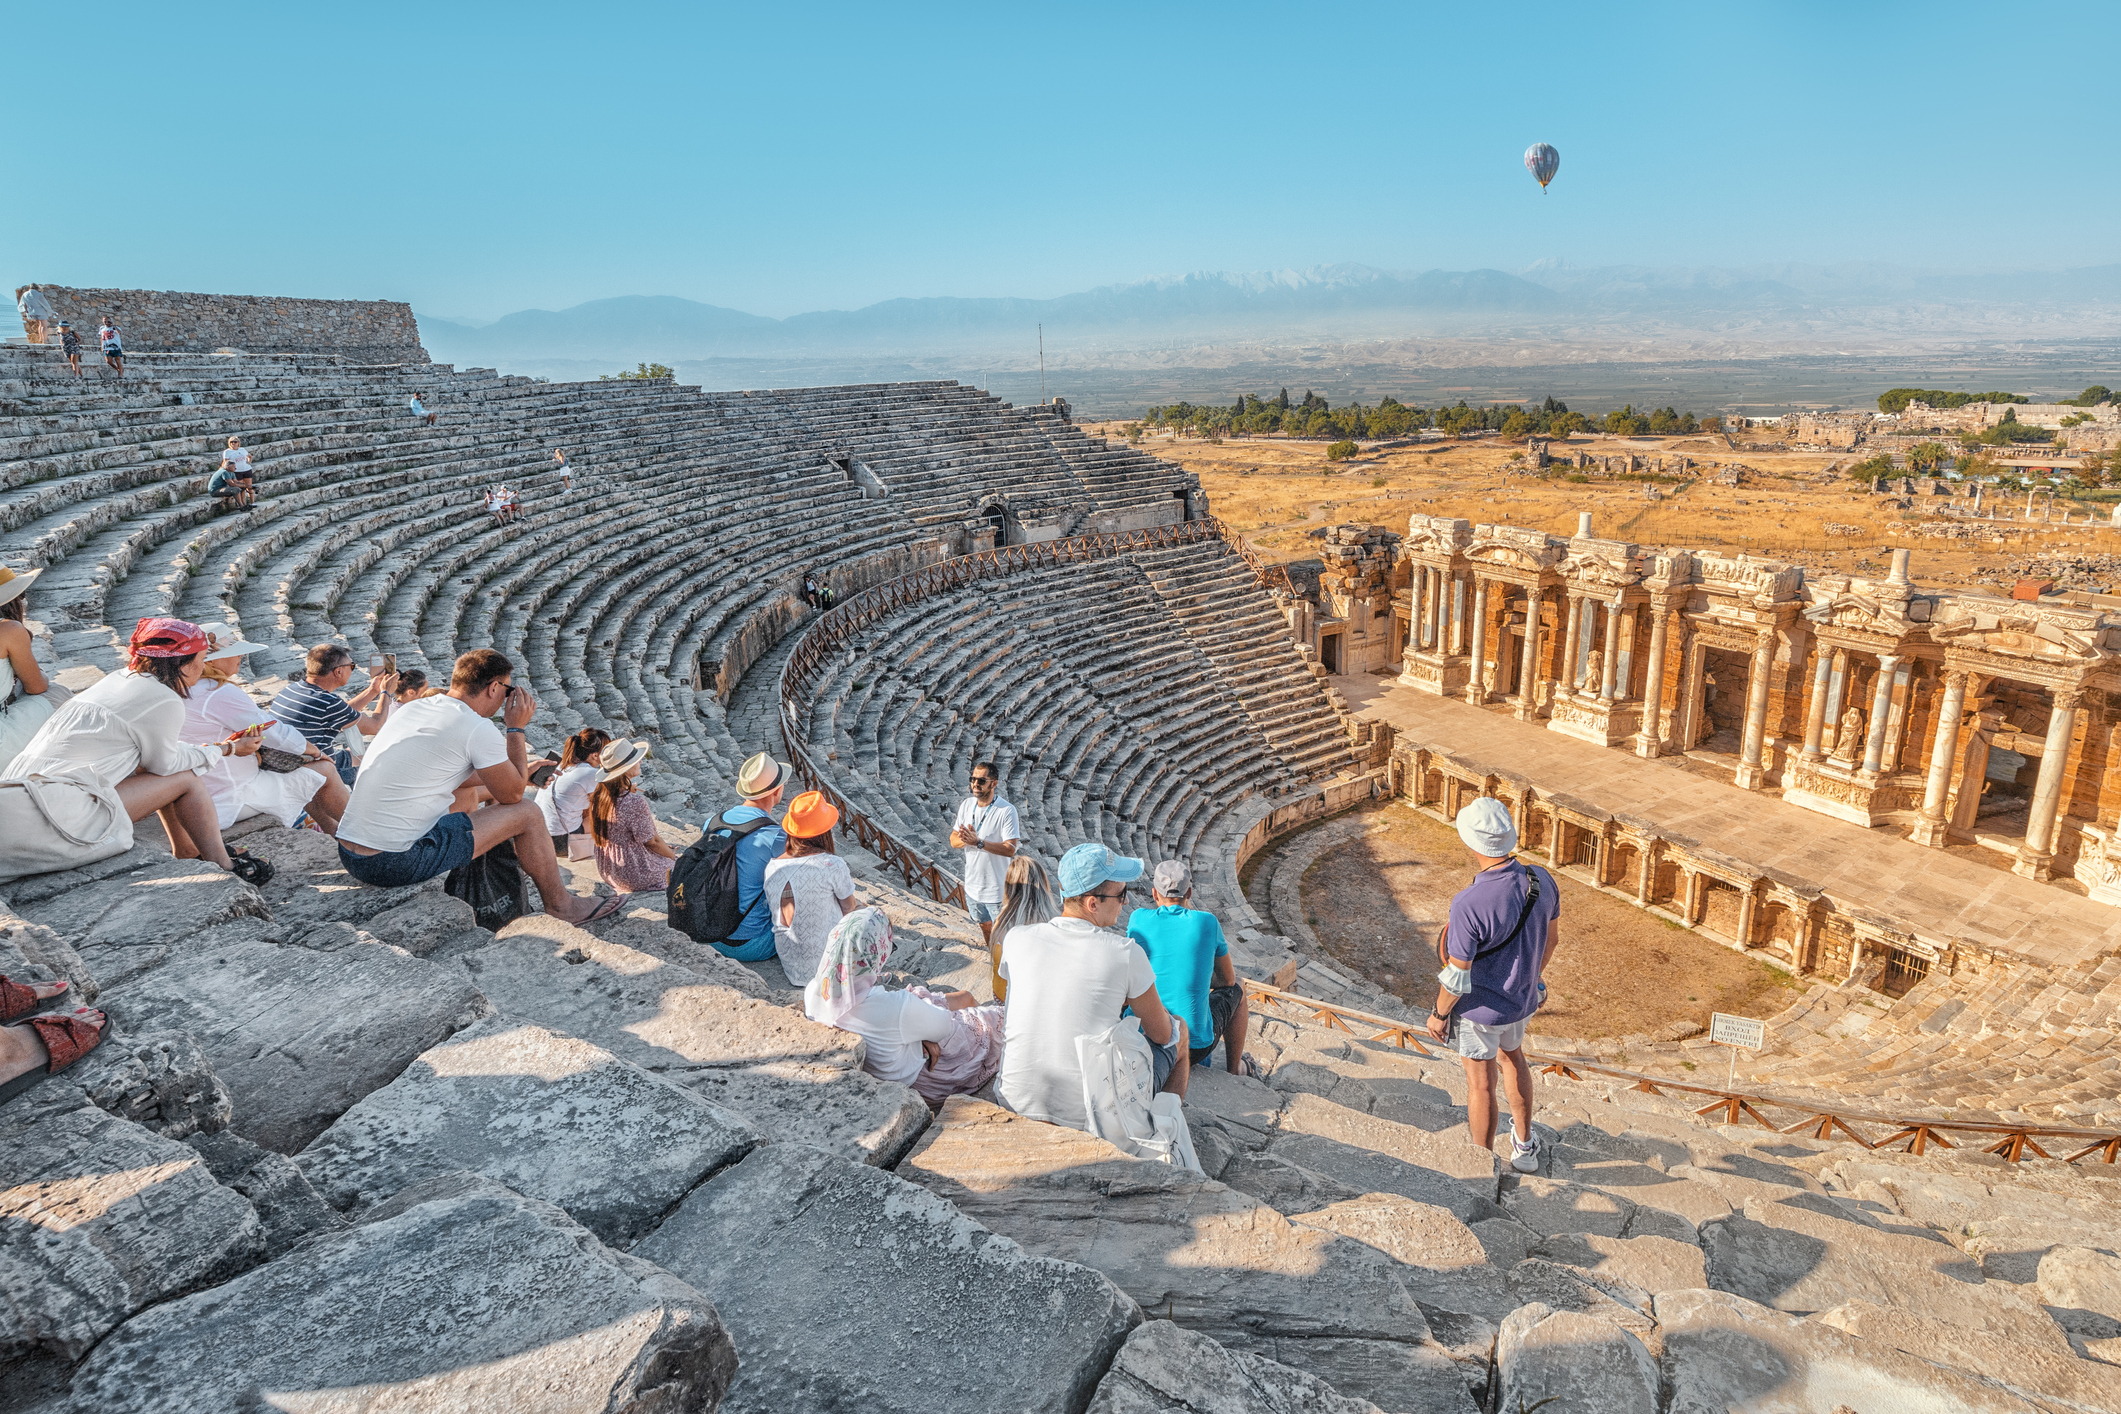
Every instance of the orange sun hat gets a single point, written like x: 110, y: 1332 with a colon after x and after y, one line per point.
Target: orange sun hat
x: 810, y: 814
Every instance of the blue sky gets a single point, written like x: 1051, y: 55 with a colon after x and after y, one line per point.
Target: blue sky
x: 480, y: 159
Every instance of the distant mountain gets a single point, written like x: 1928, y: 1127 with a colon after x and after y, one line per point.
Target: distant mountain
x: 667, y: 328
x: 1325, y: 304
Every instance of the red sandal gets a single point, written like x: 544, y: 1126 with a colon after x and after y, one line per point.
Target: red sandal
x: 16, y: 999
x: 66, y: 1039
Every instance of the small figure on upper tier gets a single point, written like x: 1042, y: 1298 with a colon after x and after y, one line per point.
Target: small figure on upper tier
x: 419, y: 409
x: 113, y: 346
x: 36, y: 312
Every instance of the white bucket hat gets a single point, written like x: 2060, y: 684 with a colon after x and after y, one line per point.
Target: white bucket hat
x: 222, y: 641
x: 1485, y: 827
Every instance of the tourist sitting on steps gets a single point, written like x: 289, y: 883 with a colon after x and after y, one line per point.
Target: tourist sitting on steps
x: 564, y: 798
x: 986, y: 830
x: 760, y: 781
x: 1194, y: 974
x: 236, y: 462
x: 47, y: 1040
x: 111, y: 756
x: 26, y: 697
x: 419, y: 410
x: 313, y: 707
x: 241, y: 786
x: 399, y: 829
x: 631, y: 856
x: 228, y: 496
x: 1027, y: 897
x: 1075, y: 976
x: 940, y: 1043
x: 1501, y: 931
x: 412, y: 686
x: 809, y: 886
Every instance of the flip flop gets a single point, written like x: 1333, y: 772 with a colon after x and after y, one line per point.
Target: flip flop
x: 1252, y: 1067
x: 19, y: 1000
x: 605, y: 909
x: 66, y: 1039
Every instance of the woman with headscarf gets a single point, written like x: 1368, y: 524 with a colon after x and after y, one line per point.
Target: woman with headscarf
x: 808, y: 885
x: 1027, y: 897
x: 111, y: 756
x: 26, y: 699
x: 241, y: 787
x: 631, y: 856
x: 940, y: 1043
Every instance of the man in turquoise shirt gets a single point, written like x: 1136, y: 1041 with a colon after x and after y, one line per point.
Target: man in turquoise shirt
x: 1194, y: 974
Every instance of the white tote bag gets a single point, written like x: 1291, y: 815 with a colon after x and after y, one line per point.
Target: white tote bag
x: 1119, y: 1096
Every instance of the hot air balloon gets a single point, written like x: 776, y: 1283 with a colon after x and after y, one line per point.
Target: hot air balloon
x: 1542, y: 161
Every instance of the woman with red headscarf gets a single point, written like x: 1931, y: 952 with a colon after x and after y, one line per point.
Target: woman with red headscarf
x: 112, y: 756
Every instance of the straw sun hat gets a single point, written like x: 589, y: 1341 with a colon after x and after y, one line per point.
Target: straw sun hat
x: 619, y: 757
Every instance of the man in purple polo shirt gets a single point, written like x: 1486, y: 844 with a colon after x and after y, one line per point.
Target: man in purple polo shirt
x: 1502, y: 930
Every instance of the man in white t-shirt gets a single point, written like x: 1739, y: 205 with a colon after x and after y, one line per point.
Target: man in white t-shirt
x: 986, y: 830
x: 1073, y: 977
x: 400, y: 828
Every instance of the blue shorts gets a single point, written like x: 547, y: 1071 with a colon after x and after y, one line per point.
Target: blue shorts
x: 981, y: 912
x: 1164, y: 1059
x: 444, y: 847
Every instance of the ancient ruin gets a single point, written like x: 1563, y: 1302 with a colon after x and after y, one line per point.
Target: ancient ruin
x: 347, y: 1148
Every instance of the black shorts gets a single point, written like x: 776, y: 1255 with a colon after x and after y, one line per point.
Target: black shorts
x: 1222, y: 1005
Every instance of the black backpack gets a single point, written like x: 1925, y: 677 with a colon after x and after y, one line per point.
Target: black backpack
x: 701, y: 897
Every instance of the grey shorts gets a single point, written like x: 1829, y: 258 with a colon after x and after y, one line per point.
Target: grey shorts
x: 1163, y: 1059
x: 981, y: 912
x: 1484, y: 1043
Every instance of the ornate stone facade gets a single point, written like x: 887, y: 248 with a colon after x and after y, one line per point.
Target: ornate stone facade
x: 1957, y: 717
x: 168, y: 321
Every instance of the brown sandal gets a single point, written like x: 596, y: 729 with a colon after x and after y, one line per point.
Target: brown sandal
x: 19, y: 1000
x: 66, y: 1039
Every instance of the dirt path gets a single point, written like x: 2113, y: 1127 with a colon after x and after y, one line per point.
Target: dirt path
x: 1376, y: 901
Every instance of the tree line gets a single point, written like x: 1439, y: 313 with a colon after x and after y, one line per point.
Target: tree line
x: 1314, y: 416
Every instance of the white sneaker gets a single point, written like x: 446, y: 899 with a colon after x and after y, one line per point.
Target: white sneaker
x: 1524, y: 1157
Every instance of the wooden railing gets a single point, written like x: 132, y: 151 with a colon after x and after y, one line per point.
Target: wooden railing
x: 2012, y: 1141
x: 1272, y: 576
x: 841, y: 625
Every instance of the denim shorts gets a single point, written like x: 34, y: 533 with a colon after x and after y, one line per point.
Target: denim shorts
x: 1163, y: 1060
x: 443, y: 848
x: 981, y: 912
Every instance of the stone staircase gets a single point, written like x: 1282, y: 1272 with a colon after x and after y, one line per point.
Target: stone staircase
x: 344, y: 1138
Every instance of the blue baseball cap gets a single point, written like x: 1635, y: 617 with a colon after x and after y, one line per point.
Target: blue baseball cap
x: 1086, y: 866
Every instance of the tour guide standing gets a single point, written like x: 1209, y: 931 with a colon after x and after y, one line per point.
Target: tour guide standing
x: 1502, y: 929
x: 986, y: 830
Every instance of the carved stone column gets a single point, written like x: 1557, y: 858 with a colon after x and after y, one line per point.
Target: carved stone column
x: 1649, y: 742
x: 1929, y: 829
x: 1612, y: 651
x: 1477, y: 644
x: 1528, y: 670
x: 1815, y: 717
x: 1881, y: 705
x: 1751, y: 774
x: 1572, y: 643
x: 2038, y: 855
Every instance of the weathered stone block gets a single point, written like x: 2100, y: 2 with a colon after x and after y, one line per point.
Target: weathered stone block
x: 849, y: 1288
x: 99, y: 1218
x: 124, y: 924
x: 1374, y: 1155
x: 1166, y: 1369
x: 1211, y: 1258
x: 553, y: 1117
x: 1575, y: 1361
x: 161, y: 1079
x: 479, y: 1299
x: 297, y: 1035
x: 794, y: 1080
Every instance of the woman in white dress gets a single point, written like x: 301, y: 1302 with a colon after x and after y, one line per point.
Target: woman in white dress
x: 27, y: 698
x: 808, y: 886
x: 110, y: 756
x: 218, y: 707
x: 940, y: 1043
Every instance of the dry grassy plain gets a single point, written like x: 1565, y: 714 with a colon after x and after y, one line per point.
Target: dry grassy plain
x: 1274, y: 492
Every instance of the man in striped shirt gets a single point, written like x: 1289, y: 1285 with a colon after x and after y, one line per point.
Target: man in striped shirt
x: 314, y: 708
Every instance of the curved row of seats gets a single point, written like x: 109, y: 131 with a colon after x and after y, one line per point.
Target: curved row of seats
x: 1092, y: 690
x: 691, y: 521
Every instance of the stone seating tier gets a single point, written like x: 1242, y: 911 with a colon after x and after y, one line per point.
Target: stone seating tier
x: 337, y: 1115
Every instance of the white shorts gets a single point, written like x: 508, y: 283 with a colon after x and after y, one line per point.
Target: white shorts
x: 284, y: 795
x: 1483, y: 1043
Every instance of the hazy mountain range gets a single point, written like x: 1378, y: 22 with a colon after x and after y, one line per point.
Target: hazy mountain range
x: 1281, y: 324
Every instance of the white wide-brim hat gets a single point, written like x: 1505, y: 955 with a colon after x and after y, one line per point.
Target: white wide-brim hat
x: 13, y: 586
x: 222, y: 641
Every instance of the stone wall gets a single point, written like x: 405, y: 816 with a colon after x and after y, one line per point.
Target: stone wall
x: 166, y: 321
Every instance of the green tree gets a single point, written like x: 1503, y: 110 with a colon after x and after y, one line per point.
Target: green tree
x: 1340, y: 451
x: 1712, y: 423
x: 642, y: 372
x: 1927, y: 456
x: 1567, y: 424
x: 2091, y: 397
x: 1871, y: 468
x: 1517, y: 426
x: 1626, y: 422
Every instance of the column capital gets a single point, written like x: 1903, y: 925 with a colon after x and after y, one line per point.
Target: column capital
x: 1889, y: 661
x: 1956, y: 677
x: 2068, y: 699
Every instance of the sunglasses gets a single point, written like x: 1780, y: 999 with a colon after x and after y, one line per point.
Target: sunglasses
x: 983, y: 780
x: 1109, y: 898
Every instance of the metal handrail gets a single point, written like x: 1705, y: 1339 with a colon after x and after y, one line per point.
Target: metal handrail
x: 1917, y: 1134
x: 841, y: 623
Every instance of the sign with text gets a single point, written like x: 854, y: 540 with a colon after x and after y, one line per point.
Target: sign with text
x: 1737, y: 1031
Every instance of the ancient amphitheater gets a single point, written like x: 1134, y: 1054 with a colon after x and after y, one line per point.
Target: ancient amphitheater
x: 348, y: 1151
